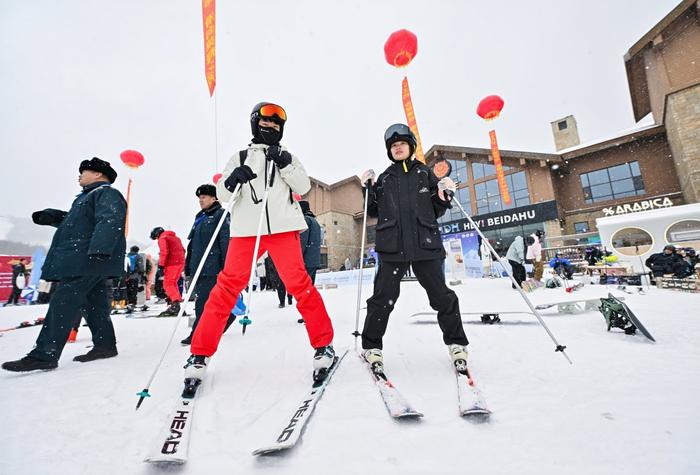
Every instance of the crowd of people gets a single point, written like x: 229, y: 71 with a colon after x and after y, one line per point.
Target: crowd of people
x: 88, y: 261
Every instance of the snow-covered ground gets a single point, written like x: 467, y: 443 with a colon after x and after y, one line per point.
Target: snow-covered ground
x: 626, y: 405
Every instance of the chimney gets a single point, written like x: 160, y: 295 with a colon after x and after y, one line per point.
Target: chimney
x: 565, y: 132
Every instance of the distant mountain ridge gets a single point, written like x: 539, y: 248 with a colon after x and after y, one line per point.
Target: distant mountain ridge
x: 21, y: 236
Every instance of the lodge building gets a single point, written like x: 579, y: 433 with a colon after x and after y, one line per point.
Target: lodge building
x: 655, y: 164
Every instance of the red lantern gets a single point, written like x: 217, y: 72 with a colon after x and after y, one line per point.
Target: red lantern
x: 401, y: 48
x: 132, y: 158
x: 490, y: 107
x: 217, y: 177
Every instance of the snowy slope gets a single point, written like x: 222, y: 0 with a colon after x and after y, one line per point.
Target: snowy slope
x: 625, y: 406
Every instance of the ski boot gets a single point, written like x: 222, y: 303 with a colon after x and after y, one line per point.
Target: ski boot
x: 458, y: 354
x: 324, y: 358
x: 374, y: 357
x: 130, y: 308
x: 29, y: 363
x: 171, y: 311
x: 97, y: 353
x: 194, y: 373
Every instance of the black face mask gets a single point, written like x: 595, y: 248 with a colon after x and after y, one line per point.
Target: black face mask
x: 269, y: 136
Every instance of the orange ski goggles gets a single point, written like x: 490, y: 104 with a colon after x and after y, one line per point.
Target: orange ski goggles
x: 272, y: 110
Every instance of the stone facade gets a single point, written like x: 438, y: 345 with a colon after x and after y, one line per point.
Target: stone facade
x: 682, y: 122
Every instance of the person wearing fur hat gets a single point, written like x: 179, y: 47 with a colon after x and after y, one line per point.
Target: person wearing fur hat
x: 87, y: 249
x: 246, y: 174
x: 202, y: 231
x: 407, y: 201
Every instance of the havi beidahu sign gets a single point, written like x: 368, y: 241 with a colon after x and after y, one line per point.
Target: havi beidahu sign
x: 523, y: 215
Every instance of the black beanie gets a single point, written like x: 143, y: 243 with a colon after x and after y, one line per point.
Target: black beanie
x: 206, y: 189
x: 100, y: 166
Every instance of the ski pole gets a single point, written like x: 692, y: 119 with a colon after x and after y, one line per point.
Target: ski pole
x: 144, y: 393
x: 245, y: 321
x: 558, y: 347
x: 362, y: 262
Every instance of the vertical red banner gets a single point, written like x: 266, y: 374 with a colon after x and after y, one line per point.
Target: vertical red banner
x: 209, y: 19
x: 500, y: 176
x: 411, y: 117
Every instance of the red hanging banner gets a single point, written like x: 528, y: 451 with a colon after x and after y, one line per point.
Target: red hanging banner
x: 411, y: 117
x: 500, y: 176
x: 209, y: 19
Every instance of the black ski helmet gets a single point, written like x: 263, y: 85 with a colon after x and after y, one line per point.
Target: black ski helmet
x: 134, y: 249
x: 156, y: 232
x: 399, y: 133
x: 255, y: 116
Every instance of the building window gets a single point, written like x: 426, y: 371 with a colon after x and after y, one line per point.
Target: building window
x: 632, y: 241
x: 453, y: 214
x: 483, y: 170
x: 488, y: 196
x: 581, y: 227
x: 562, y: 125
x: 612, y: 183
x: 459, y: 171
x: 686, y: 232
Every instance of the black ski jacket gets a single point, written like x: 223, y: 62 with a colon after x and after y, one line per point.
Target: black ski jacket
x: 665, y: 263
x: 406, y: 203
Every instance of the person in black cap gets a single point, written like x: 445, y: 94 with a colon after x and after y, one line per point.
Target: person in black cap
x: 87, y: 249
x: 201, y: 233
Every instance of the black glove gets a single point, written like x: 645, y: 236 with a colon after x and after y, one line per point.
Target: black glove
x: 242, y: 174
x: 281, y: 157
x: 48, y: 217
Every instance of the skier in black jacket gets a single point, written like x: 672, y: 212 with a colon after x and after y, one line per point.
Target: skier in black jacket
x: 407, y: 203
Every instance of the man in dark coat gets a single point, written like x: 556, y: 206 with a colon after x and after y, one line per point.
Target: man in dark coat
x: 87, y: 248
x: 17, y: 270
x: 202, y: 231
x: 310, y: 241
x: 407, y: 202
x: 666, y: 262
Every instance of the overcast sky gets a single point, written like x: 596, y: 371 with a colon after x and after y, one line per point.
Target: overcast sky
x: 92, y: 78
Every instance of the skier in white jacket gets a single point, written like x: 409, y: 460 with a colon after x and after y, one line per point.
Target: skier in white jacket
x: 282, y: 222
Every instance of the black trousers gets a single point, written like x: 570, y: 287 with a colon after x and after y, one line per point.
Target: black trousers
x: 132, y: 291
x: 387, y: 285
x: 519, y: 273
x: 205, y: 284
x: 312, y: 273
x: 14, y: 296
x: 89, y: 294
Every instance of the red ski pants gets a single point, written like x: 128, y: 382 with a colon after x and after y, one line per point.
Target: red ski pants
x: 171, y: 274
x: 285, y: 251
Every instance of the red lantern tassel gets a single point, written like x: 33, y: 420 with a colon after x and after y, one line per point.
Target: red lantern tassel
x: 411, y: 117
x: 128, y: 202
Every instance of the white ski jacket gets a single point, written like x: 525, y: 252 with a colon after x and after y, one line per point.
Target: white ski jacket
x: 282, y: 213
